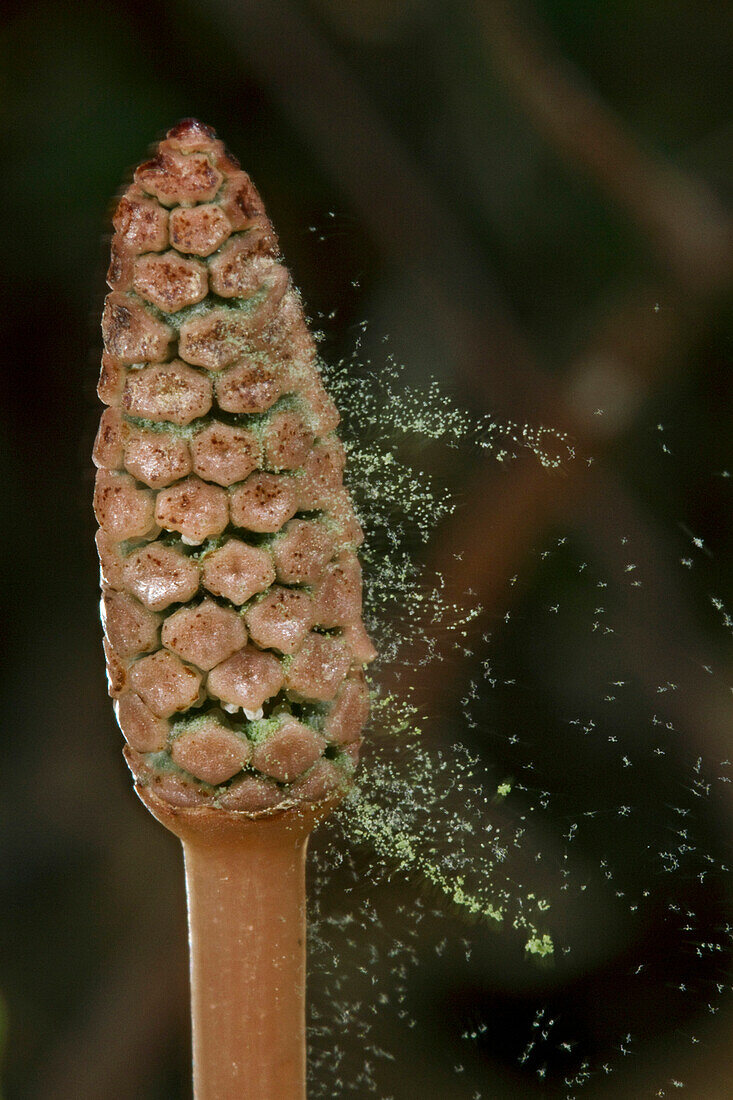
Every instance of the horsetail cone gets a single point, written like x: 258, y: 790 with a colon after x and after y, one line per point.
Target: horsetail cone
x: 231, y: 586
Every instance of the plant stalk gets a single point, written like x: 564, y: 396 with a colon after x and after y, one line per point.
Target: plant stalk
x: 247, y: 930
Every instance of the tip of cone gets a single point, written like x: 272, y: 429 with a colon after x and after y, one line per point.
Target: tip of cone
x: 191, y: 128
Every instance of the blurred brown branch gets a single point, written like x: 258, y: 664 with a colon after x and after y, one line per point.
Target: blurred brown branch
x: 683, y: 220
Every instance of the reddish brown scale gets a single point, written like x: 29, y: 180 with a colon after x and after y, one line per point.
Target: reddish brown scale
x: 238, y: 273
x: 286, y: 440
x: 344, y: 524
x: 225, y: 454
x: 281, y: 619
x: 116, y: 671
x: 347, y: 717
x: 252, y: 794
x: 177, y: 789
x: 141, y: 224
x: 194, y: 508
x: 322, y: 781
x: 241, y: 202
x: 237, y: 571
x: 337, y: 597
x: 248, y: 679
x: 193, y: 223
x: 246, y: 261
x: 111, y: 561
x: 359, y: 642
x: 210, y: 751
x: 121, y: 267
x: 287, y: 750
x: 131, y: 334
x: 264, y: 503
x: 191, y: 136
x: 247, y: 387
x: 164, y: 683
x: 199, y: 230
x: 317, y: 669
x: 167, y: 391
x: 204, y: 635
x: 170, y: 282
x: 220, y: 337
x: 301, y: 551
x: 156, y: 458
x: 350, y: 753
x: 284, y: 338
x: 322, y: 475
x: 111, y: 380
x: 131, y: 628
x: 110, y: 442
x: 323, y: 415
x: 176, y: 178
x: 226, y: 161
x: 142, y: 729
x: 159, y: 576
x: 123, y: 511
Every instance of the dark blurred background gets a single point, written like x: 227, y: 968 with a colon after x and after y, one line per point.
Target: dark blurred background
x: 533, y: 203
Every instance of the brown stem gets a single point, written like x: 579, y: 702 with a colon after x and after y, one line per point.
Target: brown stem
x: 246, y: 911
x: 245, y: 879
